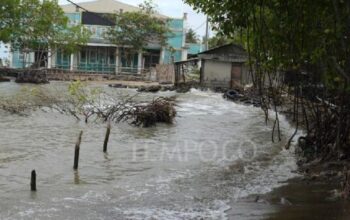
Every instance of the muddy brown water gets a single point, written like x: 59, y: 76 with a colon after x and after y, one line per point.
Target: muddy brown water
x: 216, y: 155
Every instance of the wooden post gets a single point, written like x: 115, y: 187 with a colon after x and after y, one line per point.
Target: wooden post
x: 105, y: 143
x: 33, y: 181
x: 76, y: 153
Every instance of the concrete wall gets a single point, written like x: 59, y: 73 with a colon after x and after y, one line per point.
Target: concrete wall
x: 216, y: 74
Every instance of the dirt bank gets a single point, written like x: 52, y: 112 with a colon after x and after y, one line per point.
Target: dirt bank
x: 298, y: 199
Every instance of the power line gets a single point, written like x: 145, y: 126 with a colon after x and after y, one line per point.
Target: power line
x: 207, y: 34
x: 196, y: 29
x: 78, y: 6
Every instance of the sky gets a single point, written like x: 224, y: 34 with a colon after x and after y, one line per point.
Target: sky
x: 171, y: 8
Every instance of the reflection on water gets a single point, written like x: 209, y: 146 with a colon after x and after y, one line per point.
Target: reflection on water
x: 216, y: 153
x: 76, y: 177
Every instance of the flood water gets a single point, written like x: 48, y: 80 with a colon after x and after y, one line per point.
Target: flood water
x: 215, y: 154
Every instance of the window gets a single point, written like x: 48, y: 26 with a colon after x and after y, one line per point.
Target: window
x: 111, y: 57
x: 91, y: 18
x: 83, y: 56
x: 93, y: 56
x: 102, y: 56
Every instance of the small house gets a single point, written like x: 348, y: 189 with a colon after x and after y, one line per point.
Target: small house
x: 224, y: 67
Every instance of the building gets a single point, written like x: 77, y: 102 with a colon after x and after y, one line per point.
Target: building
x: 100, y: 56
x: 4, y: 54
x: 193, y: 50
x: 223, y: 67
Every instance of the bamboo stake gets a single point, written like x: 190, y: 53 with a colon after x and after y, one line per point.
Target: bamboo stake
x: 33, y: 181
x: 77, y: 150
x: 105, y: 143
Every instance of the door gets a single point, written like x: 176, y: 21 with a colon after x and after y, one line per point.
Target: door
x: 236, y: 74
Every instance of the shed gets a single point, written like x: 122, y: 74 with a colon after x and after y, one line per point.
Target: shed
x: 223, y: 67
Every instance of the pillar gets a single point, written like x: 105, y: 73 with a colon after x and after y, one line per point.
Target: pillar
x: 184, y: 31
x: 49, y: 58
x: 139, y: 63
x: 53, y: 59
x: 117, y: 60
x: 10, y: 56
x: 162, y: 56
x: 72, y: 62
x: 29, y: 59
x: 184, y: 53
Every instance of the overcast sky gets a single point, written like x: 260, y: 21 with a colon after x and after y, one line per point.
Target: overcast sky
x: 171, y: 8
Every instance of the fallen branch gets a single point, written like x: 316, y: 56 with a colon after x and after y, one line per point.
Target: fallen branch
x: 160, y: 110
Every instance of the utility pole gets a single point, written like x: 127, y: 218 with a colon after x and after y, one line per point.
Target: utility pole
x: 206, y: 45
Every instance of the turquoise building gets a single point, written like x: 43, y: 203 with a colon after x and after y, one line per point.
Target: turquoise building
x: 99, y: 55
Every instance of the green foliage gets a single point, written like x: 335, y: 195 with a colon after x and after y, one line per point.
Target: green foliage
x: 79, y: 92
x: 194, y: 74
x: 218, y: 40
x: 191, y: 36
x: 140, y: 28
x: 9, y: 13
x: 310, y: 42
x: 281, y: 35
x: 37, y: 25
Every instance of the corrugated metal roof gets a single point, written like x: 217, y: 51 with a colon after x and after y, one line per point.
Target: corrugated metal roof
x: 226, y: 53
x: 227, y: 48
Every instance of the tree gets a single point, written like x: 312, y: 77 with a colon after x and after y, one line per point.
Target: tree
x: 191, y: 36
x: 140, y: 28
x: 9, y: 15
x: 283, y: 34
x: 39, y: 25
x: 303, y: 39
x: 218, y: 40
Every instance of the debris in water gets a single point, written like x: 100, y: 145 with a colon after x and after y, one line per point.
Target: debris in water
x: 160, y: 110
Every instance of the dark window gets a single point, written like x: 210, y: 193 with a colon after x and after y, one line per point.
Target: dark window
x: 91, y: 18
x: 93, y: 56
x: 151, y: 58
x: 83, y: 56
x: 111, y: 57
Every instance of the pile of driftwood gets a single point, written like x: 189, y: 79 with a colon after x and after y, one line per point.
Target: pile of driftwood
x: 346, y: 184
x: 3, y: 73
x: 3, y: 79
x: 32, y: 76
x: 28, y: 75
x: 245, y: 97
x: 160, y: 110
x: 152, y: 89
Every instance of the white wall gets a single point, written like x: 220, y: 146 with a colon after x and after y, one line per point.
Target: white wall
x: 4, y: 52
x: 217, y: 73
